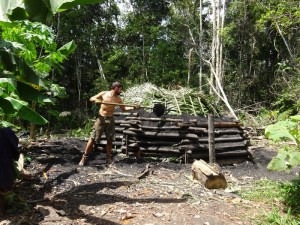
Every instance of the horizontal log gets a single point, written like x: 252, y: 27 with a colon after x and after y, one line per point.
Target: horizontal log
x: 158, y: 130
x: 153, y: 149
x: 157, y: 154
x: 156, y: 119
x: 115, y: 143
x: 160, y: 134
x: 159, y: 127
x: 120, y: 113
x: 241, y: 152
x: 193, y: 147
x: 204, y: 124
x: 218, y: 146
x: 223, y: 124
x: 119, y: 129
x: 197, y: 129
x: 221, y: 139
x: 154, y: 142
x: 117, y: 136
x: 183, y: 124
x: 234, y: 130
x: 133, y: 122
x: 217, y: 131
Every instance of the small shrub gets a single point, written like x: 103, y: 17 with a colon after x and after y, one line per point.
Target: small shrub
x: 291, y: 195
x: 289, y: 154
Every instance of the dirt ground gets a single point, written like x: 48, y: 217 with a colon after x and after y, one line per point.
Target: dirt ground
x: 58, y: 191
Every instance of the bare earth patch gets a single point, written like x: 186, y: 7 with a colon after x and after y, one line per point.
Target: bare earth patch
x: 57, y: 191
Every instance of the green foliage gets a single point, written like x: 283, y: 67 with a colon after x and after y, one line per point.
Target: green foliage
x: 287, y: 102
x: 291, y: 195
x: 283, y: 130
x: 261, y: 45
x: 83, y: 132
x: 275, y: 193
x: 263, y: 190
x: 5, y: 121
x: 288, y: 156
x: 36, y: 10
x: 14, y: 203
x: 33, y: 54
x: 29, y: 53
x: 276, y: 217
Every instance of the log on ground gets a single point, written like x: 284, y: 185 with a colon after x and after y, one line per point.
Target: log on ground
x: 209, y: 176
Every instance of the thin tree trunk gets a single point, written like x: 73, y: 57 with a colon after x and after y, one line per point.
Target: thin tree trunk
x: 145, y: 72
x: 217, y: 42
x: 78, y: 76
x: 221, y: 95
x: 213, y: 45
x: 32, y: 132
x: 221, y: 43
x: 200, y: 45
x: 285, y: 42
x: 100, y: 68
x: 189, y: 67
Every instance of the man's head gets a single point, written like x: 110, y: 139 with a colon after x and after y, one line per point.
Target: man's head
x: 117, y: 87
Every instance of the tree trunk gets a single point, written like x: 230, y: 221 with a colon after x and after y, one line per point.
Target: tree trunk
x: 200, y: 45
x: 189, y: 67
x: 213, y: 45
x: 78, y: 76
x: 33, y: 126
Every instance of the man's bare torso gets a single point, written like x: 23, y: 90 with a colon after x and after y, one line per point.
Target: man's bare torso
x: 108, y: 110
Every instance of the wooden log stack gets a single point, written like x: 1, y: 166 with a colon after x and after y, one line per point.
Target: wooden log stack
x: 185, y: 136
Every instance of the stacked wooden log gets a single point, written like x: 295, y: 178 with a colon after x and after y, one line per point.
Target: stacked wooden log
x: 180, y: 136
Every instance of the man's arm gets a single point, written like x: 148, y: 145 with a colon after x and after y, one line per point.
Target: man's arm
x: 97, y: 96
x: 125, y: 108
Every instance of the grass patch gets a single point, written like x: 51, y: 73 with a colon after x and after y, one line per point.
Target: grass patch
x: 283, y: 198
x: 264, y: 190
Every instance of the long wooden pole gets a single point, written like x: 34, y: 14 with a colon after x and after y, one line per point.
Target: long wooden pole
x: 211, y: 139
x: 121, y: 104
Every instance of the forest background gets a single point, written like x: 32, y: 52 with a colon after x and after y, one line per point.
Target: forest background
x: 243, y: 55
x: 237, y: 58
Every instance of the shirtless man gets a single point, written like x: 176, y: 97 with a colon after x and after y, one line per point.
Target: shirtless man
x: 105, y: 121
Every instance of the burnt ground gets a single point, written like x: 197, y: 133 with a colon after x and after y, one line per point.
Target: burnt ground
x: 57, y: 191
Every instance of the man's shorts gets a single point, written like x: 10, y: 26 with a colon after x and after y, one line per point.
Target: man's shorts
x: 104, y: 125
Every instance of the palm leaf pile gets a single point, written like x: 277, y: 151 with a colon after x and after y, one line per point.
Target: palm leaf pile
x: 176, y: 101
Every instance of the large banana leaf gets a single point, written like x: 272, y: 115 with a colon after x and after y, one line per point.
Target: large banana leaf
x: 29, y: 93
x: 36, y: 10
x: 7, y: 7
x: 12, y: 63
x: 19, y: 107
x: 11, y: 105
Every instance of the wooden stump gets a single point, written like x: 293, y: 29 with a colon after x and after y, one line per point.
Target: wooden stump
x: 210, y: 176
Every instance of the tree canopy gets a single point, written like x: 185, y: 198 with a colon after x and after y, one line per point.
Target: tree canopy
x: 240, y: 52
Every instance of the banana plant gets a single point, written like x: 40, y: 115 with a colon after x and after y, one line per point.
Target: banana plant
x: 23, y: 73
x: 284, y: 132
x: 28, y: 53
x: 36, y: 10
